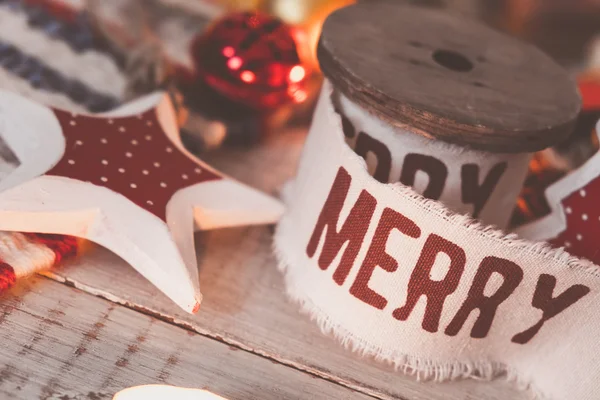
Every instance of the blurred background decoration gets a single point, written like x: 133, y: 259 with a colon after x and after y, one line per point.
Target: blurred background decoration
x: 152, y: 41
x: 306, y: 16
x: 250, y: 73
x: 244, y: 70
x: 262, y: 109
x: 567, y: 30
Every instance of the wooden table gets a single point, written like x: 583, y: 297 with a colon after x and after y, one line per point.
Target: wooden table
x: 96, y: 326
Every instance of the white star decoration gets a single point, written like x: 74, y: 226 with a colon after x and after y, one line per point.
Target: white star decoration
x: 122, y: 180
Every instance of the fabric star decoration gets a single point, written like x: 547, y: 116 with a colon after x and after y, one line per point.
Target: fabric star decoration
x: 125, y: 181
x: 574, y: 222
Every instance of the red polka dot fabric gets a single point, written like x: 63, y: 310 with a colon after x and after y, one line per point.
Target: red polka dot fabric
x: 129, y: 155
x: 582, y: 236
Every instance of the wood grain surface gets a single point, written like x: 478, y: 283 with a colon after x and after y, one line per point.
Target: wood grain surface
x: 59, y: 343
x: 244, y: 297
x: 447, y: 77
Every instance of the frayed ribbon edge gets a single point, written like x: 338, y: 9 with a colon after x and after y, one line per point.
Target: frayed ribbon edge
x: 423, y: 370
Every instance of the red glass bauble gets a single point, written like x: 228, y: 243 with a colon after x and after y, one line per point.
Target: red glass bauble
x: 251, y: 58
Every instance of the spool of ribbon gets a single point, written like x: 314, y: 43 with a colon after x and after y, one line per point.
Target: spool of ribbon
x: 404, y: 278
x: 455, y: 119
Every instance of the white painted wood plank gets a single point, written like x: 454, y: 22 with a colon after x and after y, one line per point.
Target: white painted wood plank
x: 244, y: 300
x: 60, y: 343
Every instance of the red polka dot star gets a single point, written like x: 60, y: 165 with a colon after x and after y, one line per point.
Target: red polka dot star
x: 574, y: 222
x: 125, y: 181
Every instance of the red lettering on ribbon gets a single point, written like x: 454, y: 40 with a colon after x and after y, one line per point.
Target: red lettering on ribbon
x: 436, y: 292
x: 347, y: 127
x: 487, y: 305
x: 377, y: 257
x: 434, y: 168
x: 472, y: 192
x: 352, y: 231
x: 366, y: 144
x: 551, y: 307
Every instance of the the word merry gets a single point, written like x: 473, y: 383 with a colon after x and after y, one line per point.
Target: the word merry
x: 352, y: 233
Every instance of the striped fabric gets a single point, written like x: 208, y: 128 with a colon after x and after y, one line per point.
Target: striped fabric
x: 50, y: 53
x: 56, y: 62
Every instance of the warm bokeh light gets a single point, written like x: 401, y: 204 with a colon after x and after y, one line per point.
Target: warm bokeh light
x: 164, y: 392
x: 297, y: 73
x: 589, y: 88
x: 248, y: 76
x: 300, y: 96
x: 307, y: 16
x: 234, y: 63
x: 228, y: 51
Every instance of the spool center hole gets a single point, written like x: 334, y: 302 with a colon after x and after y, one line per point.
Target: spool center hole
x: 452, y: 60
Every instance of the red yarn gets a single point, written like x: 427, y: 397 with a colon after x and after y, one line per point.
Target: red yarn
x: 62, y: 246
x: 7, y: 276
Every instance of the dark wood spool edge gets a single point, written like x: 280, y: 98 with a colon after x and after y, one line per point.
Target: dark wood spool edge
x: 432, y: 126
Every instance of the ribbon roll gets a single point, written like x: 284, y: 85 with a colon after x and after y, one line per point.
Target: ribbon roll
x: 480, y: 183
x: 402, y: 278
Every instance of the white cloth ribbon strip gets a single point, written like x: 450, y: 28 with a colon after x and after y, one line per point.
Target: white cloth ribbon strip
x: 402, y: 278
x: 482, y: 184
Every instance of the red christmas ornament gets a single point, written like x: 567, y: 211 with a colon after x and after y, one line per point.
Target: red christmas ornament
x: 251, y: 58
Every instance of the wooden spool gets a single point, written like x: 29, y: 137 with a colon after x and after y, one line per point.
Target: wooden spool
x: 444, y: 104
x: 435, y: 74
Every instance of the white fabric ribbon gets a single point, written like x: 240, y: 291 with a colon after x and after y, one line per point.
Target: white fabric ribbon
x: 482, y: 184
x: 403, y: 279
